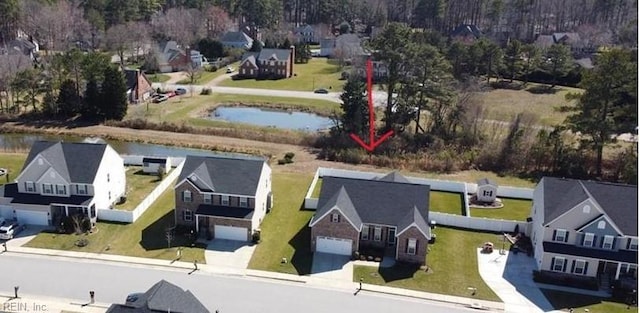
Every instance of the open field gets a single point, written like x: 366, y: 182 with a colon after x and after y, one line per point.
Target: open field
x: 452, y: 262
x: 318, y: 73
x: 581, y: 303
x: 12, y: 162
x: 144, y: 238
x: 514, y: 209
x: 139, y: 185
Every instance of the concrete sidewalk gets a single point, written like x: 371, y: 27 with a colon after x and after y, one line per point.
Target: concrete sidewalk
x: 39, y: 304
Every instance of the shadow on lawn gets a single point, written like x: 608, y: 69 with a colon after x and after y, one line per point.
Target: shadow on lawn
x: 564, y: 300
x: 302, y: 257
x: 154, y: 236
x: 398, y: 271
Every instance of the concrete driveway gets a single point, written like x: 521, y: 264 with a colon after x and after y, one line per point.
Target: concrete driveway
x: 229, y: 253
x: 332, y: 266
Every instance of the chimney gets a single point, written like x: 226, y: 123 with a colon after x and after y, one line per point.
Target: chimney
x: 292, y: 59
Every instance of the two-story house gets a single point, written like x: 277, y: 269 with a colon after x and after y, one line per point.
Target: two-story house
x: 139, y: 87
x: 62, y: 179
x: 224, y: 197
x: 236, y: 39
x: 389, y: 214
x: 585, y: 229
x: 268, y: 63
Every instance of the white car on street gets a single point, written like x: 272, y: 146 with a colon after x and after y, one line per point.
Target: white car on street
x: 9, y: 230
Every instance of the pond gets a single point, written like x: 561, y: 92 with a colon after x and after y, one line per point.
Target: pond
x: 273, y: 118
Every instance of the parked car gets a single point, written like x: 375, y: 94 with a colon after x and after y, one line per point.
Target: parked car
x: 170, y: 94
x: 230, y: 70
x: 10, y: 230
x: 181, y: 91
x: 321, y: 90
x: 161, y: 98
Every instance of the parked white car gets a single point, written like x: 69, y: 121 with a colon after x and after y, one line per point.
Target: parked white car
x: 9, y: 230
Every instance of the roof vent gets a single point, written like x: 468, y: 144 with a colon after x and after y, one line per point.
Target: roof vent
x: 40, y: 161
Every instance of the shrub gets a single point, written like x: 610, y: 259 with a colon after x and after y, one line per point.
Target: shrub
x: 205, y: 91
x: 282, y: 162
x: 289, y: 155
x: 255, y: 237
x: 82, y: 242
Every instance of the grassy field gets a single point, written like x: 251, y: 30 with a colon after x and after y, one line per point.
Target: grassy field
x: 13, y: 163
x: 318, y: 73
x: 504, y: 104
x: 581, y: 303
x: 158, y: 78
x: 139, y: 185
x: 144, y: 238
x: 445, y: 202
x: 317, y: 188
x: 453, y: 266
x: 285, y: 233
x: 513, y: 209
x: 206, y: 76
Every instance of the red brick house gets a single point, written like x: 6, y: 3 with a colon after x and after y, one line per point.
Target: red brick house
x: 223, y: 197
x: 389, y: 214
x: 139, y: 87
x: 268, y: 63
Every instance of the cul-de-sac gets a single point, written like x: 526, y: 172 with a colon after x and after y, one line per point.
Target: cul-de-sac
x: 318, y: 156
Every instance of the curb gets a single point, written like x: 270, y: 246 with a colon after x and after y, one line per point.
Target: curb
x: 293, y: 280
x: 467, y: 305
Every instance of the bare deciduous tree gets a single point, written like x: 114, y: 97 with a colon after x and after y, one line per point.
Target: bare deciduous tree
x: 217, y: 21
x: 185, y: 26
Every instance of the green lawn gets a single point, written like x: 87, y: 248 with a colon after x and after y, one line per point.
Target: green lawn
x: 445, y: 202
x: 206, y: 76
x: 285, y: 233
x: 144, y: 238
x: 139, y: 185
x: 514, y: 209
x: 318, y: 73
x: 581, y: 303
x: 317, y: 188
x: 453, y: 267
x: 13, y: 163
x: 158, y: 78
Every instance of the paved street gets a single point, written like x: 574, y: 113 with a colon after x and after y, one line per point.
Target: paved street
x: 71, y: 279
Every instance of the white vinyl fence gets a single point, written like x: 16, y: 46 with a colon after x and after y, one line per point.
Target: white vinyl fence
x: 126, y: 216
x: 479, y: 223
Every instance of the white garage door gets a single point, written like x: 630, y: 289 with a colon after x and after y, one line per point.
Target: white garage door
x: 230, y: 233
x: 32, y: 217
x: 333, y: 245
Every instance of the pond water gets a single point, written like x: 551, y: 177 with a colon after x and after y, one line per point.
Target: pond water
x: 23, y: 142
x: 273, y: 118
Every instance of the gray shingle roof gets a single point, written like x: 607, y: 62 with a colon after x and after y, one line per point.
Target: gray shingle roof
x: 486, y: 181
x: 376, y: 201
x: 394, y: 176
x: 466, y: 30
x: 75, y: 162
x: 163, y: 297
x: 620, y: 202
x: 342, y: 201
x: 230, y: 175
x: 414, y: 216
x: 236, y: 37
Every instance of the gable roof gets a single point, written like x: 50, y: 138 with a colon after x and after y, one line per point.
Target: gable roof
x: 544, y: 41
x: 224, y: 174
x: 414, y: 217
x: 619, y: 202
x: 466, y: 30
x: 162, y: 297
x: 238, y: 36
x: 486, y: 181
x: 265, y: 55
x: 75, y: 162
x: 375, y: 201
x: 131, y: 77
x: 394, y: 176
x: 569, y: 38
x: 342, y: 202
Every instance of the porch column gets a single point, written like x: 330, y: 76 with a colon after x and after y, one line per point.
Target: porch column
x: 66, y: 210
x: 618, y: 270
x: 196, y: 215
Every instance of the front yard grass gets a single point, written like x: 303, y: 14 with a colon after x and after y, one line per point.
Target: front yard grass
x: 317, y: 188
x: 139, y: 185
x: 12, y: 162
x: 513, y: 209
x: 144, y: 238
x: 318, y: 73
x: 158, y: 78
x: 446, y: 202
x: 582, y: 303
x: 285, y: 233
x: 453, y: 267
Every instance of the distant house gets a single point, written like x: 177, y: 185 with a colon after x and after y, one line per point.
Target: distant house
x: 466, y: 33
x: 151, y: 165
x: 274, y: 63
x: 162, y: 297
x: 345, y: 46
x: 139, y: 87
x: 487, y: 191
x: 172, y: 58
x: 544, y: 42
x: 21, y: 46
x: 577, y: 45
x: 236, y: 39
x: 305, y: 34
x: 326, y: 46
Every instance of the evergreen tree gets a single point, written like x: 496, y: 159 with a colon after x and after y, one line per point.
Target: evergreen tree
x: 532, y: 58
x: 302, y: 53
x: 68, y: 102
x: 286, y: 44
x: 558, y: 63
x: 92, y: 107
x: 256, y: 46
x: 513, y: 59
x: 113, y: 94
x: 355, y: 108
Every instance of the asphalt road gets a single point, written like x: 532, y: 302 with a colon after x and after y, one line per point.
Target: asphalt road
x: 72, y: 279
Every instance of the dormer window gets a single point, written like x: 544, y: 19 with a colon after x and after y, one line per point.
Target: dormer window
x: 30, y: 186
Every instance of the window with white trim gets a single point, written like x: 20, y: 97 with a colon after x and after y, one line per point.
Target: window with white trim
x: 602, y: 225
x: 81, y: 189
x: 588, y: 240
x: 391, y: 238
x: 411, y: 246
x: 364, y: 235
x: 558, y: 264
x: 186, y: 196
x: 47, y: 189
x: 224, y: 200
x: 61, y: 189
x: 208, y: 199
x: 30, y: 186
x: 377, y: 234
x: 244, y: 202
x: 561, y: 235
x: 607, y: 242
x: 579, y: 267
x: 633, y: 244
x: 187, y: 215
x: 335, y: 218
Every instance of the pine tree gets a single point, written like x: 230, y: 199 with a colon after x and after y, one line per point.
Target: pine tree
x: 355, y: 108
x: 558, y: 62
x: 68, y: 102
x: 92, y: 100
x: 114, y: 95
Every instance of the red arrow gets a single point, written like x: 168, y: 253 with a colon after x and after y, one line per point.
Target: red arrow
x: 372, y: 119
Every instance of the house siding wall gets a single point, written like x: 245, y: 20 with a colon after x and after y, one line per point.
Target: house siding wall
x: 537, y: 214
x: 278, y: 69
x: 592, y: 268
x: 482, y: 189
x: 342, y: 229
x: 245, y: 70
x: 421, y: 251
x: 144, y: 88
x: 373, y: 243
x: 181, y: 206
x: 573, y: 219
x: 113, y: 166
x: 259, y: 203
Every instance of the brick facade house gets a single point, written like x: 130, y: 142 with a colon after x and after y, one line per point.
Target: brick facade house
x: 388, y: 214
x: 223, y: 197
x: 268, y: 63
x: 139, y: 87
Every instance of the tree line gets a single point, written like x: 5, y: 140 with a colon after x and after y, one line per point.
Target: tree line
x: 432, y: 87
